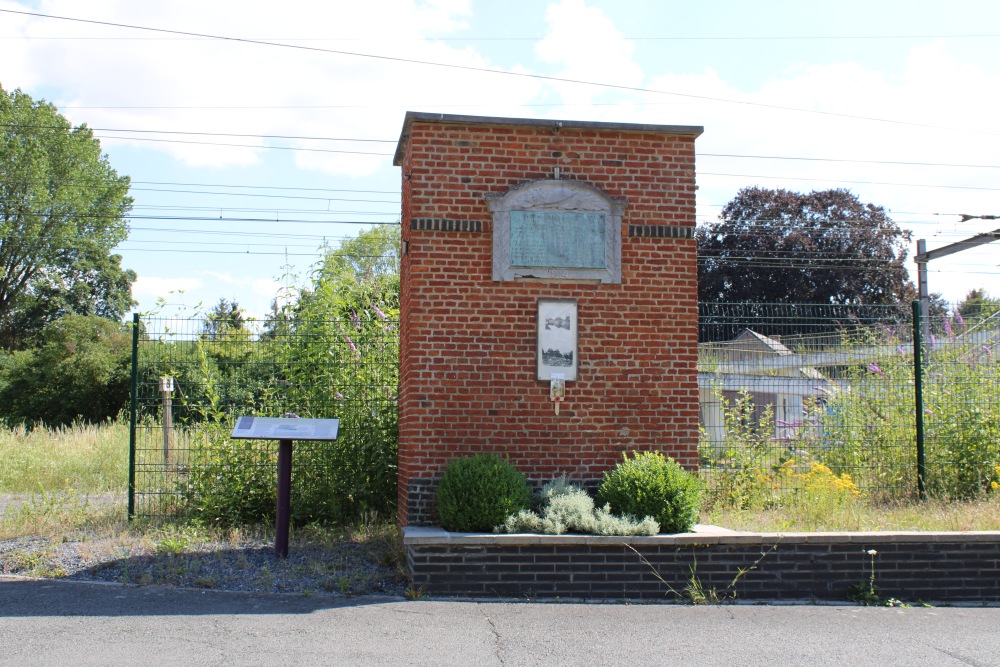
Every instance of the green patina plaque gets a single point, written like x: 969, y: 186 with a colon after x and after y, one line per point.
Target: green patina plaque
x: 557, y: 239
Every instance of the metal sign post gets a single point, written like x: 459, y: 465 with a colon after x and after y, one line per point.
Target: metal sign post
x: 285, y: 430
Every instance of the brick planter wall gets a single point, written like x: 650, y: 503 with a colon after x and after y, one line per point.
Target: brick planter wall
x: 911, y: 566
x: 468, y: 342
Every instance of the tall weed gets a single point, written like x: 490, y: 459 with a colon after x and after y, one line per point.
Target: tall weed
x: 89, y: 458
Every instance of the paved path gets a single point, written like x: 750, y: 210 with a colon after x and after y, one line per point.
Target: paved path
x: 50, y: 623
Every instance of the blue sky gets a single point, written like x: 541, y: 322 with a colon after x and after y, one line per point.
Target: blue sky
x: 852, y: 86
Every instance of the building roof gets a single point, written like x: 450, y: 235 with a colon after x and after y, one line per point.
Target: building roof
x: 450, y: 119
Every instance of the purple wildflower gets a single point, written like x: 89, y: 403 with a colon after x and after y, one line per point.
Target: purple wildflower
x: 355, y: 319
x: 947, y: 326
x: 338, y: 395
x: 350, y: 343
x: 873, y: 367
x: 928, y: 411
x: 958, y: 319
x: 900, y: 350
x: 381, y: 315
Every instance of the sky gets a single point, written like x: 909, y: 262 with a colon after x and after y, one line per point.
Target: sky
x: 256, y: 132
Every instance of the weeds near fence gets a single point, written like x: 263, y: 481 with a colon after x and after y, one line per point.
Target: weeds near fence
x: 88, y: 458
x: 854, y: 435
x: 344, y: 369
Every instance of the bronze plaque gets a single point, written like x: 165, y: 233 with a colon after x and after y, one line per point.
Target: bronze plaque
x: 557, y: 239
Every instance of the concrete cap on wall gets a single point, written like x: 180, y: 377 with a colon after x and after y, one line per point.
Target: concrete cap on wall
x: 450, y: 119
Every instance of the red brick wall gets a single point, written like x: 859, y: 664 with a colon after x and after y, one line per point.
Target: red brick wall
x: 467, y: 362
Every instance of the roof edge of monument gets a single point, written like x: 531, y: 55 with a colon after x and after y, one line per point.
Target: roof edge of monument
x: 455, y: 119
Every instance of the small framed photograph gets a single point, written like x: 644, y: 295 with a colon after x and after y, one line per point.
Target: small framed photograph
x: 557, y: 338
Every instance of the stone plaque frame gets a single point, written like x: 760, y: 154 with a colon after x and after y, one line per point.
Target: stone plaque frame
x: 558, y: 329
x: 556, y: 196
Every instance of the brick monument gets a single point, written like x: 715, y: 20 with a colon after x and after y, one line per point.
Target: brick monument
x: 542, y: 260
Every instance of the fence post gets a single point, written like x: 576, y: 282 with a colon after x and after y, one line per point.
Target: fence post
x: 918, y: 395
x: 133, y: 414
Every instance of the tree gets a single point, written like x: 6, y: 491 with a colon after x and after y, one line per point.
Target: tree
x: 362, y: 271
x: 62, y: 210
x: 786, y: 247
x: 226, y: 316
x: 977, y: 305
x: 80, y: 370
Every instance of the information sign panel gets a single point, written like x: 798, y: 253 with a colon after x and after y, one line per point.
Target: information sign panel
x: 289, y: 428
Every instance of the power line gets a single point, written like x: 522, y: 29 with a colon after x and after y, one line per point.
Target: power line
x: 393, y: 141
x: 267, y: 196
x: 182, y: 218
x: 514, y: 38
x: 230, y: 233
x: 197, y: 133
x: 210, y: 185
x: 852, y: 161
x: 487, y: 70
x: 259, y: 147
x: 838, y: 180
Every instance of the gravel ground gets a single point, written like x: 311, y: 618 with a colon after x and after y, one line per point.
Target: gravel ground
x: 321, y: 562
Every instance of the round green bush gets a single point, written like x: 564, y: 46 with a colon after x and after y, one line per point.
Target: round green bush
x: 477, y: 493
x: 650, y: 484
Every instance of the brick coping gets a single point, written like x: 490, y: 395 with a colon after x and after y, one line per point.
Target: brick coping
x: 424, y: 536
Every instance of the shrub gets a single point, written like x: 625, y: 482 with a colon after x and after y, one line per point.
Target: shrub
x: 566, y: 508
x: 230, y: 482
x: 649, y: 484
x: 79, y: 372
x: 477, y: 493
x: 742, y: 471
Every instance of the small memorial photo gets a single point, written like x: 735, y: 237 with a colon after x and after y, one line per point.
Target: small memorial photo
x: 557, y: 329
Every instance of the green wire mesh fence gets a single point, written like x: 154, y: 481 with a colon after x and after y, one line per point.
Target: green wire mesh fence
x: 193, y: 379
x: 794, y: 395
x: 961, y: 402
x: 790, y: 395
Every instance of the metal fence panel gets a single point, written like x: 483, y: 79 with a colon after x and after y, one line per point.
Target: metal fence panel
x: 331, y: 369
x: 788, y: 387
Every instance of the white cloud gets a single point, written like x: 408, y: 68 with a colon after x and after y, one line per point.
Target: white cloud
x: 284, y: 91
x: 586, y: 46
x: 945, y: 110
x: 256, y: 89
x: 169, y: 292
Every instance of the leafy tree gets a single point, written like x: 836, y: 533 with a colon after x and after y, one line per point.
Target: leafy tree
x: 978, y: 304
x: 62, y: 210
x: 778, y: 246
x: 226, y: 316
x: 366, y: 266
x: 333, y: 353
x: 81, y: 370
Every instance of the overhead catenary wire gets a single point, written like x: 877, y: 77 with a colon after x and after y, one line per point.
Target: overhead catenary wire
x: 802, y: 158
x: 514, y: 38
x: 493, y: 71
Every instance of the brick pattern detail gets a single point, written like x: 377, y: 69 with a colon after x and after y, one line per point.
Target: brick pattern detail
x: 420, y: 498
x: 468, y: 343
x: 938, y: 571
x: 439, y: 225
x: 660, y: 232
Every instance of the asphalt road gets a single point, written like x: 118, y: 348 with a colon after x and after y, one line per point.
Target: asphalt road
x: 64, y: 623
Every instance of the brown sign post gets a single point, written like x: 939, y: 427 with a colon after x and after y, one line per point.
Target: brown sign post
x: 285, y: 430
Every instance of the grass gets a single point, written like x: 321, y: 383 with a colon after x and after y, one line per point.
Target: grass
x: 66, y: 489
x: 858, y: 515
x: 83, y: 458
x: 74, y: 478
